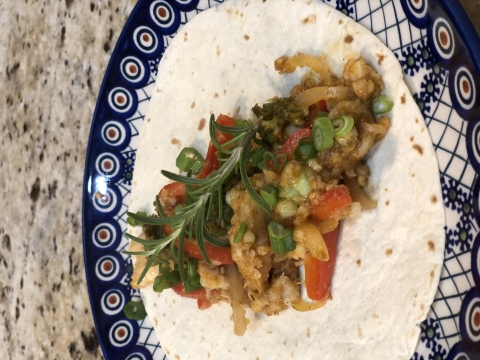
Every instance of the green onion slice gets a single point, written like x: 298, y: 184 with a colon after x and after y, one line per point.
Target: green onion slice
x: 342, y: 126
x: 135, y: 310
x: 241, y: 232
x: 192, y: 267
x: 323, y: 133
x: 271, y: 162
x: 305, y: 150
x: 190, y: 159
x: 269, y: 194
x: 280, y: 238
x: 166, y: 281
x: 193, y: 281
x: 382, y: 104
x: 134, y: 222
x: 256, y: 156
x: 241, y: 123
x: 192, y: 284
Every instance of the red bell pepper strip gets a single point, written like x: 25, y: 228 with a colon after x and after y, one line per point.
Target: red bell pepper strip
x: 325, y: 206
x: 318, y: 274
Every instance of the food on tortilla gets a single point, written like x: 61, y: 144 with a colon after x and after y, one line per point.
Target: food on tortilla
x: 269, y: 201
x: 388, y: 258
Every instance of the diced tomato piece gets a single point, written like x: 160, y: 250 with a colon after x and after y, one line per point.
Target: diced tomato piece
x: 200, y: 295
x: 224, y: 120
x: 313, y: 111
x: 292, y: 142
x: 211, y: 162
x: 318, y: 274
x: 203, y: 304
x: 325, y: 206
x: 171, y: 195
x: 217, y: 255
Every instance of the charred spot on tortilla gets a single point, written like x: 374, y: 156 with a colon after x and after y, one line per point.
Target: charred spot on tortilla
x: 340, y: 22
x: 149, y: 119
x: 431, y: 245
x: 359, y: 331
x: 388, y: 252
x: 387, y: 202
x: 246, y: 37
x: 175, y: 141
x: 218, y: 50
x: 380, y: 58
x: 416, y: 120
x: 403, y: 99
x: 418, y: 148
x: 215, y: 95
x: 359, y: 262
x: 348, y: 39
x: 412, y: 138
x: 310, y: 19
x: 433, y: 199
x: 193, y: 105
x: 201, y: 124
x: 308, y: 332
x: 185, y: 37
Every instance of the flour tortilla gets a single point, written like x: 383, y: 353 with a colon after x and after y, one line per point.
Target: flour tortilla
x: 389, y: 259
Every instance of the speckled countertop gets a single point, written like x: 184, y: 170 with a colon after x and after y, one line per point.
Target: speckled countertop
x: 53, y: 55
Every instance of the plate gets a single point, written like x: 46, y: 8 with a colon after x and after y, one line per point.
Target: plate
x: 435, y: 44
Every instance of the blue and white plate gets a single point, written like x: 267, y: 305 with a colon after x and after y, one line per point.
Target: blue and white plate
x: 439, y: 51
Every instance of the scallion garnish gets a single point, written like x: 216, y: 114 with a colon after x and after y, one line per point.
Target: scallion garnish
x: 133, y: 222
x: 305, y: 150
x: 323, y: 134
x: 190, y: 159
x: 286, y: 208
x: 241, y: 123
x: 193, y: 281
x: 166, y: 280
x: 342, y: 126
x: 269, y: 194
x: 241, y: 232
x: 382, y: 104
x: 256, y: 156
x: 271, y: 162
x: 280, y: 238
x: 135, y: 310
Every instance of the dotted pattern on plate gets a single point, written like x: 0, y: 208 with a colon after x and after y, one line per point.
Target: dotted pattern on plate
x: 444, y: 81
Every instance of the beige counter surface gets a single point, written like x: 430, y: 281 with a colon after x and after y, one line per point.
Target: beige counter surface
x: 53, y: 55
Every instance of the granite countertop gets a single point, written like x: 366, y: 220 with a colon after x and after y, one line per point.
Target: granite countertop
x: 53, y: 55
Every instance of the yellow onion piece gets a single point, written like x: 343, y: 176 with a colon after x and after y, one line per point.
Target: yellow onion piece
x: 309, y: 306
x: 315, y: 94
x: 374, y: 128
x: 358, y: 195
x: 287, y: 64
x: 308, y: 234
x: 235, y: 290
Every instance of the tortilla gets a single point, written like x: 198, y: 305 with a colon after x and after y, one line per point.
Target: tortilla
x: 389, y: 259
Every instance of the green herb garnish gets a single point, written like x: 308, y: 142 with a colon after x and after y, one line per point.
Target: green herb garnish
x: 203, y: 194
x: 135, y: 310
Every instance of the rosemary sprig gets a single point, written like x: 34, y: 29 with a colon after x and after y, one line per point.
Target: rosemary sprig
x: 203, y: 194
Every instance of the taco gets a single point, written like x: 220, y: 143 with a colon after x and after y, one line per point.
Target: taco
x: 388, y: 258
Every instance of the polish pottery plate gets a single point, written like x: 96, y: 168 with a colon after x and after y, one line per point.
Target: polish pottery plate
x: 439, y: 51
